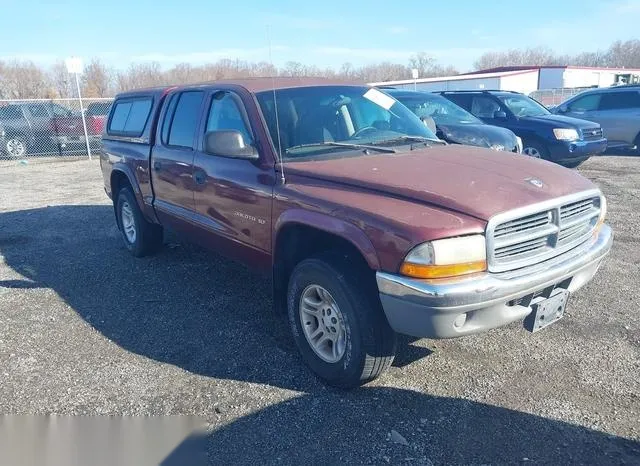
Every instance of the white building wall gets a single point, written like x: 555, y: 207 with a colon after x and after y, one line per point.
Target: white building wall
x: 577, y: 77
x: 455, y: 85
x: 521, y: 82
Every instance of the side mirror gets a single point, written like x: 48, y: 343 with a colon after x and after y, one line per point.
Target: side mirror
x: 562, y: 109
x: 229, y: 143
x: 499, y: 115
x: 429, y: 122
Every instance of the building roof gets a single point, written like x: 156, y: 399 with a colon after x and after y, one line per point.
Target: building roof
x: 503, y: 69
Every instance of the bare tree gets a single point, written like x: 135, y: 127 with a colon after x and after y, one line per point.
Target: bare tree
x: 21, y: 80
x: 97, y: 80
x: 61, y: 80
x: 141, y: 75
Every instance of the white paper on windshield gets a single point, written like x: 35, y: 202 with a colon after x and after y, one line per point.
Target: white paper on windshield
x: 378, y: 98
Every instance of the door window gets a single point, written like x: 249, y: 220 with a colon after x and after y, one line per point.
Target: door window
x: 588, y: 103
x: 38, y: 111
x: 225, y: 114
x: 185, y: 119
x: 619, y: 100
x: 485, y: 107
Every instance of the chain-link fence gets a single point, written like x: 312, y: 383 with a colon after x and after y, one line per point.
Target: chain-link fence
x: 553, y: 97
x: 51, y: 128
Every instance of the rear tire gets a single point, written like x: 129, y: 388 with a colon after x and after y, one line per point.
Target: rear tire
x: 535, y: 149
x: 141, y: 237
x: 354, y: 343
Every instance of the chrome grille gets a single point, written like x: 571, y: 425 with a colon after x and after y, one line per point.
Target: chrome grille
x: 531, y: 235
x: 590, y: 134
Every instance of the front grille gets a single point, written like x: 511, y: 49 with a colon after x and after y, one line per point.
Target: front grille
x: 519, y: 240
x: 591, y: 134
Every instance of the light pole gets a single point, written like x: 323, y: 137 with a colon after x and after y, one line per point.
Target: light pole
x: 74, y: 66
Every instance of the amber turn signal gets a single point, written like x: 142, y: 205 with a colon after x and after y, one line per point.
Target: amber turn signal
x: 442, y: 271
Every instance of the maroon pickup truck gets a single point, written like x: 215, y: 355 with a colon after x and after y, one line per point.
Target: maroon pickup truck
x: 369, y: 225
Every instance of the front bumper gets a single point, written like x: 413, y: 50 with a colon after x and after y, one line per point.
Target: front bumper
x: 433, y: 309
x: 570, y: 151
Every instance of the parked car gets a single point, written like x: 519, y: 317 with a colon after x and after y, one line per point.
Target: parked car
x: 454, y: 124
x: 35, y: 127
x: 96, y: 114
x: 564, y: 140
x: 367, y: 223
x: 616, y: 109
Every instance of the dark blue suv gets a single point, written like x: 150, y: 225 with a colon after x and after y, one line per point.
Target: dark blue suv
x: 564, y: 140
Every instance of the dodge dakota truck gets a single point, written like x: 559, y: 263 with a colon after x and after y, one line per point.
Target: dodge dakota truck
x: 368, y: 224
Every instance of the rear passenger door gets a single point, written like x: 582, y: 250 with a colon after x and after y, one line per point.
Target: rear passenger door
x: 233, y: 196
x: 172, y: 159
x: 619, y: 115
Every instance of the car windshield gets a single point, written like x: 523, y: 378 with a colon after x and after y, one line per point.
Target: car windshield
x: 443, y: 111
x: 324, y: 121
x: 523, y: 106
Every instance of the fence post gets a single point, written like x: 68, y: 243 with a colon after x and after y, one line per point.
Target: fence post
x: 84, y: 121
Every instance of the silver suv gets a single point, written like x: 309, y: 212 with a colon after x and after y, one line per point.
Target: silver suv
x: 617, y: 109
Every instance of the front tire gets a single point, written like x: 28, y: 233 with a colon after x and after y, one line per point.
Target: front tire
x: 337, y: 320
x: 140, y: 237
x: 535, y: 149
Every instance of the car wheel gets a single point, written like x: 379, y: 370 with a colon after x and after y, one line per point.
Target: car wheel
x: 15, y: 147
x: 140, y: 236
x: 535, y: 149
x: 337, y: 321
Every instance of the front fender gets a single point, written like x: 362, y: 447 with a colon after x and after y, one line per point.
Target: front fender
x: 333, y: 225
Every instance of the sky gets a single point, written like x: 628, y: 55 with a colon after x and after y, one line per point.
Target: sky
x: 325, y: 33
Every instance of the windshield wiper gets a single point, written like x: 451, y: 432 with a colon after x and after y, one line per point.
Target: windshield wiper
x: 411, y: 139
x: 345, y: 145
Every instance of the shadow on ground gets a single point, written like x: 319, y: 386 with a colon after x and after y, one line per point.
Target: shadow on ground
x: 184, y: 306
x: 356, y: 427
x: 212, y: 317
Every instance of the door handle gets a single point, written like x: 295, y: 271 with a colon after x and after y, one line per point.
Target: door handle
x: 157, y: 166
x: 199, y: 177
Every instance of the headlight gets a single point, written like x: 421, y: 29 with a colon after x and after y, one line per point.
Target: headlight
x: 566, y: 134
x: 446, y: 258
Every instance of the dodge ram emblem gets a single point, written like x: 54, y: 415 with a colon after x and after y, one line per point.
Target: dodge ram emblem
x: 536, y: 182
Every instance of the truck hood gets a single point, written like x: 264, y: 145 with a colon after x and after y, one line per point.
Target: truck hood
x: 561, y: 121
x: 474, y: 181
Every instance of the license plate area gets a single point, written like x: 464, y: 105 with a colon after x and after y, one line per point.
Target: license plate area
x: 547, y: 311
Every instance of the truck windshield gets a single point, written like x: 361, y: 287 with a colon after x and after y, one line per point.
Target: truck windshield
x: 322, y: 120
x: 523, y: 106
x: 443, y: 111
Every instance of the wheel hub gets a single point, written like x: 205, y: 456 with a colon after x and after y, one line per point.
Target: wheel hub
x: 322, y: 323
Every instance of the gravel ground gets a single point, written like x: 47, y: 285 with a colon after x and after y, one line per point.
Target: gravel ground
x: 87, y: 329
